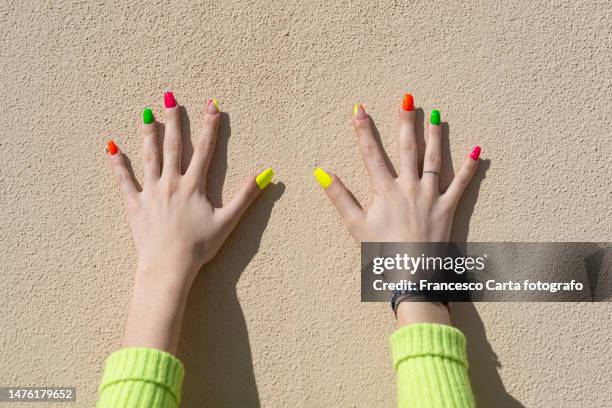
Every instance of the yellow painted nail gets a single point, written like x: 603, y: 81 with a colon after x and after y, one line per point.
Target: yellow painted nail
x: 216, y: 103
x: 355, y: 109
x: 324, y: 179
x: 264, y: 178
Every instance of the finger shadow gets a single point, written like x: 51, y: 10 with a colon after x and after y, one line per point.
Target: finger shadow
x: 214, y: 344
x: 161, y: 135
x: 420, y: 136
x: 447, y: 172
x: 218, y: 166
x: 130, y: 168
x: 187, y: 151
x: 489, y: 390
x: 465, y: 209
x: 388, y: 161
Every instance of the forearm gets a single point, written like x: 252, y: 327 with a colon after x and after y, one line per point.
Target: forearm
x: 145, y: 372
x: 422, y: 312
x: 430, y: 358
x: 156, y: 309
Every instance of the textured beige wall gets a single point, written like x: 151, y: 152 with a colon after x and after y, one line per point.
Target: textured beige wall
x: 276, y: 318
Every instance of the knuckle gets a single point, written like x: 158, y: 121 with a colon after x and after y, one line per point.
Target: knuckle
x: 205, y: 146
x: 335, y: 194
x: 408, y: 146
x: 407, y: 117
x: 371, y: 153
x: 434, y: 159
x: 411, y: 189
x: 361, y: 124
x: 211, y: 120
x: 150, y: 156
x: 172, y: 144
x: 170, y: 186
x: 386, y: 187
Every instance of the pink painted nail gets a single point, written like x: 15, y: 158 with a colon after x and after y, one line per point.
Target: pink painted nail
x: 475, y: 153
x: 169, y: 101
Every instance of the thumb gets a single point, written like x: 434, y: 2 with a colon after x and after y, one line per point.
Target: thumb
x: 250, y: 189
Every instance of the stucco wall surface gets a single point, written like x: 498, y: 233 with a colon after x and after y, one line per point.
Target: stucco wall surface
x: 275, y: 320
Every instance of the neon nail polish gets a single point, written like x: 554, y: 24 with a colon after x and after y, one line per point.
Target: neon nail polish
x: 147, y: 116
x: 264, y: 178
x: 408, y: 103
x: 112, y: 148
x: 169, y: 101
x: 355, y: 109
x: 324, y: 179
x: 475, y: 153
x: 434, y: 119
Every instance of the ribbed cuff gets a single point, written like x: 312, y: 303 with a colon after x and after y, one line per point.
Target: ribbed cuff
x: 428, y: 339
x: 145, y: 364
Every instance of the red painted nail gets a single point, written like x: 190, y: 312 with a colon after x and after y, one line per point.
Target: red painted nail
x: 169, y: 101
x: 408, y: 103
x: 112, y: 148
x: 475, y: 153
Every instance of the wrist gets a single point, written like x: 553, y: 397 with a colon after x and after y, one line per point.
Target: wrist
x: 422, y: 312
x: 175, y: 276
x: 157, y: 307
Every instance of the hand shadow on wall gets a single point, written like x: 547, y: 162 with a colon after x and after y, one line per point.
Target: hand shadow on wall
x: 214, y: 345
x: 489, y: 390
x: 487, y: 385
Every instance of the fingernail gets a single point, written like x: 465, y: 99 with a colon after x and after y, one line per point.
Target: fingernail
x: 213, y: 105
x: 359, y: 111
x: 434, y: 119
x: 169, y: 101
x: 111, y: 148
x: 475, y: 153
x: 147, y: 116
x: 264, y: 178
x: 324, y: 179
x: 408, y: 103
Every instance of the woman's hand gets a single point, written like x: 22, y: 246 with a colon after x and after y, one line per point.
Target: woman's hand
x: 174, y: 225
x: 175, y: 228
x: 409, y: 208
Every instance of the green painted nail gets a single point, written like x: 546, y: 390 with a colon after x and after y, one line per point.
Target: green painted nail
x: 435, y: 117
x: 147, y: 116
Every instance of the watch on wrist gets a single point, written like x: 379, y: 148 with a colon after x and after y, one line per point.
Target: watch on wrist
x: 400, y: 296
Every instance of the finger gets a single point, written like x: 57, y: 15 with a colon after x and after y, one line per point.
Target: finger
x: 371, y: 151
x: 150, y: 152
x: 433, y: 154
x: 248, y: 191
x: 205, y: 147
x: 407, y: 140
x: 122, y: 174
x: 462, y: 178
x: 173, y: 142
x: 346, y: 204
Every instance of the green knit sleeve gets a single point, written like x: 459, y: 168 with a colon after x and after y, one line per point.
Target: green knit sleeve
x: 431, y: 365
x: 141, y: 377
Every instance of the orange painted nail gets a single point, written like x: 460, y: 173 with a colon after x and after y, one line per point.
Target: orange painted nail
x: 111, y: 148
x: 408, y: 103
